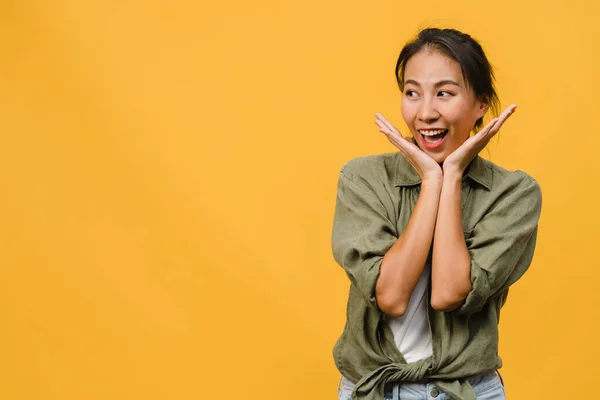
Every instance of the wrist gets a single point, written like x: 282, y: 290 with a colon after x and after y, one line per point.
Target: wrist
x: 453, y: 176
x: 433, y: 180
x: 452, y: 172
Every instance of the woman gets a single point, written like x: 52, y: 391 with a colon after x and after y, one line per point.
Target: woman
x: 432, y: 236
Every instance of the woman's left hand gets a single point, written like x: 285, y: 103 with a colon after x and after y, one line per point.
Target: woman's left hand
x: 460, y: 158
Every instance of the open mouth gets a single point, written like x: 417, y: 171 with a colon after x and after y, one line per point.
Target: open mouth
x: 433, y: 137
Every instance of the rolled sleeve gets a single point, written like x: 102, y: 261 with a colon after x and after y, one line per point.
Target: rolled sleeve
x: 362, y: 234
x: 502, y: 243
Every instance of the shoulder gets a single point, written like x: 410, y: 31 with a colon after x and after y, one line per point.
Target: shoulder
x: 517, y: 182
x: 372, y: 168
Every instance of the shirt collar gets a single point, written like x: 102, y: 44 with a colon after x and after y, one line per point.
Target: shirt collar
x: 477, y: 170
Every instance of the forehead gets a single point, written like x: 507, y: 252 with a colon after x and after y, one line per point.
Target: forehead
x: 430, y: 66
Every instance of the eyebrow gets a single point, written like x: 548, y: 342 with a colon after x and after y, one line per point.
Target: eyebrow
x: 437, y: 84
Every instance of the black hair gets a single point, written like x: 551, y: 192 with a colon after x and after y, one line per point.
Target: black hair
x: 467, y: 52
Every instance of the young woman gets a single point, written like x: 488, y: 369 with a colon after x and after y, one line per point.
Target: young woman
x: 432, y: 236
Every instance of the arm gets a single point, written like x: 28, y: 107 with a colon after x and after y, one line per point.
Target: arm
x: 362, y: 232
x: 403, y: 263
x: 502, y: 243
x: 383, y: 265
x: 451, y: 262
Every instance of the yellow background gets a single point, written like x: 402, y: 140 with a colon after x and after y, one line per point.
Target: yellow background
x: 168, y: 177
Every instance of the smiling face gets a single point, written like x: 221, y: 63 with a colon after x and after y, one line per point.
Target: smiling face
x: 437, y: 105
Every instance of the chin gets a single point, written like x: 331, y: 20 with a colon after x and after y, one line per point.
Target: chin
x: 438, y: 157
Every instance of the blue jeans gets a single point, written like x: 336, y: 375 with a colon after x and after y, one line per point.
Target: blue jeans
x: 487, y: 386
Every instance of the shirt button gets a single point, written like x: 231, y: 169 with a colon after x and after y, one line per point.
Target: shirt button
x: 434, y: 392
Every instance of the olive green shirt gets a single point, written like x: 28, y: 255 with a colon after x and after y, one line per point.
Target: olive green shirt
x: 376, y: 196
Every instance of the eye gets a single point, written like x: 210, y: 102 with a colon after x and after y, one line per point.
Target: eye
x: 410, y: 93
x: 443, y: 93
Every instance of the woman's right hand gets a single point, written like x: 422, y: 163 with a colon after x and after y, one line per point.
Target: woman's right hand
x: 427, y: 168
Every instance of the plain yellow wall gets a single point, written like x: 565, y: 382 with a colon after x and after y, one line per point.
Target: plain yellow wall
x: 168, y: 177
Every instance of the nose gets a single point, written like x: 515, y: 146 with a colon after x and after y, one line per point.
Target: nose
x: 428, y: 111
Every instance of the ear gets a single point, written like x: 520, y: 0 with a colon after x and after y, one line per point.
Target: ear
x: 482, y: 108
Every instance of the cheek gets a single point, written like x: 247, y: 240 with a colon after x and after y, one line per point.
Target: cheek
x: 462, y: 124
x: 408, y: 112
x: 455, y: 113
x: 461, y: 118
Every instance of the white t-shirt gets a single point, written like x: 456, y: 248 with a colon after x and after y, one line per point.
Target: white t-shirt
x: 411, y: 331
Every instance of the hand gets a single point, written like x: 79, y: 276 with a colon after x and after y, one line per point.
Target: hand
x: 426, y: 167
x: 460, y: 158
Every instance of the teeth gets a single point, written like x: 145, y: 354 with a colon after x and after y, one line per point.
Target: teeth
x: 431, y: 133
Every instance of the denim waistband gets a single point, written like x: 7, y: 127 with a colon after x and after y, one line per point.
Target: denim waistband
x: 478, y: 382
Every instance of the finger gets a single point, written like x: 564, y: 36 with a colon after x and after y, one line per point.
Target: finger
x: 384, y: 122
x: 398, y: 144
x: 506, y: 113
x: 380, y: 124
x: 406, y: 140
x: 481, y: 138
x: 486, y: 129
x: 382, y: 119
x: 392, y: 133
x: 510, y: 110
x: 410, y: 142
x: 410, y: 148
x: 392, y: 137
x: 389, y: 134
x: 384, y: 129
x: 403, y: 144
x: 396, y: 136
